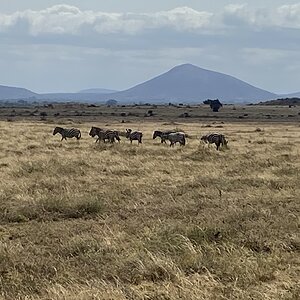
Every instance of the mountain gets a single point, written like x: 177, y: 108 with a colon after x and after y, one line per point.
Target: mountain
x: 184, y: 83
x: 77, y: 97
x: 292, y: 95
x: 189, y: 83
x: 12, y: 93
x: 282, y: 102
x: 97, y: 91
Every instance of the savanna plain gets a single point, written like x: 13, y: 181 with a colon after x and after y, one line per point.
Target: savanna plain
x: 84, y: 221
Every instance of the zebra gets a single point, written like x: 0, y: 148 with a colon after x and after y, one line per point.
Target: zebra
x: 175, y: 137
x: 67, y: 133
x: 103, y: 135
x: 161, y: 134
x: 134, y: 136
x: 215, y: 138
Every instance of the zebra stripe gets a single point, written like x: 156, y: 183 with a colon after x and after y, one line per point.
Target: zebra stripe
x: 161, y: 134
x: 215, y: 138
x: 67, y: 133
x: 134, y: 136
x: 104, y: 135
x: 175, y: 137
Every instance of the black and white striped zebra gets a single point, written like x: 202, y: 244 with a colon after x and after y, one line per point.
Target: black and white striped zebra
x: 104, y: 135
x: 215, y: 138
x: 161, y: 134
x: 67, y: 133
x: 134, y: 136
x: 175, y: 137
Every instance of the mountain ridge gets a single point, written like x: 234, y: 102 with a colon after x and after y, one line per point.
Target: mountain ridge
x: 97, y: 91
x: 11, y: 93
x: 188, y: 82
x: 184, y: 83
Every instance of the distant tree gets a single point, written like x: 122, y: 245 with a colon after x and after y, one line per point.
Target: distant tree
x: 111, y: 102
x: 215, y: 105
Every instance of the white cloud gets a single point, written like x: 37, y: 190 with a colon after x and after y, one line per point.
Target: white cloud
x: 289, y: 16
x: 65, y: 19
x: 70, y: 20
x: 64, y: 41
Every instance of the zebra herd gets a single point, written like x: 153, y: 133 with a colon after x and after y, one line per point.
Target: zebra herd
x: 111, y: 135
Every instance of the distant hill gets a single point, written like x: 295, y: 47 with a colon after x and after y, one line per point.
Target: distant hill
x: 292, y: 95
x: 12, y: 93
x: 283, y: 101
x: 97, y: 91
x: 189, y: 83
x: 184, y: 83
x: 77, y: 97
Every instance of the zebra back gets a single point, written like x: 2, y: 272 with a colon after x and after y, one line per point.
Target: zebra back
x: 161, y: 134
x: 111, y: 135
x: 215, y: 138
x: 134, y: 135
x: 67, y: 133
x: 103, y: 135
x: 176, y: 137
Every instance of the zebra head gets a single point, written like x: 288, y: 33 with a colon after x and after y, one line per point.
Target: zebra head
x: 117, y: 136
x: 93, y: 131
x: 224, y: 141
x: 57, y: 130
x: 128, y: 131
x: 204, y: 138
x: 157, y: 133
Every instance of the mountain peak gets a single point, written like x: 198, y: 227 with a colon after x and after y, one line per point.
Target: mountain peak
x: 187, y: 82
x: 186, y: 66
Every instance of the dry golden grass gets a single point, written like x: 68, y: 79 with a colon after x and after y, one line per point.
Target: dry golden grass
x: 86, y: 221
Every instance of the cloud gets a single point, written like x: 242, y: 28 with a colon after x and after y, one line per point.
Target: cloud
x: 289, y: 16
x: 64, y: 41
x: 69, y: 21
x: 65, y: 19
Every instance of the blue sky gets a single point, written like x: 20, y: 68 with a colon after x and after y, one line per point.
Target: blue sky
x: 52, y: 46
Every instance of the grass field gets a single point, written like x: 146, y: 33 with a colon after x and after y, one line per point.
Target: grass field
x: 86, y: 221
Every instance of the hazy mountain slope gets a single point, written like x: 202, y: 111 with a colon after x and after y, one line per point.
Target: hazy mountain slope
x: 292, y: 95
x: 80, y: 97
x: 193, y: 84
x: 185, y: 83
x: 11, y: 93
x: 97, y: 91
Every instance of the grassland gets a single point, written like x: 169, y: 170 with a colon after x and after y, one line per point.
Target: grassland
x: 86, y: 221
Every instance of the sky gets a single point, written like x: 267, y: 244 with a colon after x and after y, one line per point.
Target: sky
x: 66, y: 46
